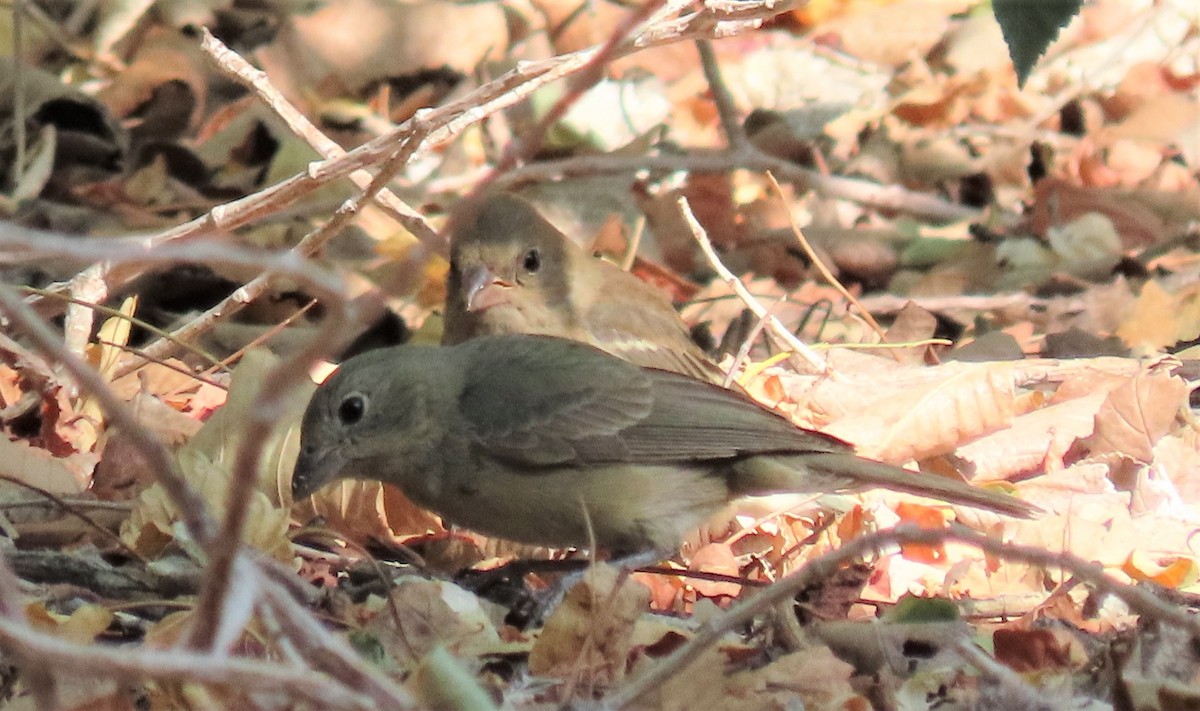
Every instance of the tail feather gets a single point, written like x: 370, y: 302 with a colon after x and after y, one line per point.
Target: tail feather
x: 774, y: 474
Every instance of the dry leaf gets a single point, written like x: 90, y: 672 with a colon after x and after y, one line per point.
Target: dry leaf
x: 433, y: 613
x: 1036, y: 441
x: 37, y: 467
x: 591, y: 631
x: 1136, y: 415
x: 814, y: 677
x: 104, y: 356
x: 152, y: 525
x: 1173, y: 573
x: 968, y: 401
x: 715, y: 558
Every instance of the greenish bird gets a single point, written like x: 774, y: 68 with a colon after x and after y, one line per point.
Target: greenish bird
x: 552, y: 442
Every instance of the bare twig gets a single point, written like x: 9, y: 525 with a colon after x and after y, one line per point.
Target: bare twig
x: 247, y: 675
x: 740, y: 289
x: 588, y: 76
x: 743, y: 351
x: 318, y: 281
x: 676, y: 21
x: 883, y: 197
x: 279, y: 384
x: 190, y: 504
x: 1139, y: 599
x: 116, y: 313
x: 820, y: 265
x: 257, y: 81
x: 721, y: 96
x: 331, y: 653
x: 70, y: 509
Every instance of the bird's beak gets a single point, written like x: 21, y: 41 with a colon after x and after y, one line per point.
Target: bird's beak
x: 315, y: 469
x: 483, y: 289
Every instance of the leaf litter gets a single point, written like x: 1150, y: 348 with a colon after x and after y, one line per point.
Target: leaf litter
x: 1095, y: 259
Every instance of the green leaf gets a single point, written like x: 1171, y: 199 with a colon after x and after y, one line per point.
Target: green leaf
x: 911, y: 609
x: 1029, y: 26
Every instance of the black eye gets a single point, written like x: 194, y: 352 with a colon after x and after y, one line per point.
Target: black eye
x: 352, y: 409
x: 533, y: 261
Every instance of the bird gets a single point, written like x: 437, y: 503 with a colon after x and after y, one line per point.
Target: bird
x: 548, y: 441
x: 512, y: 271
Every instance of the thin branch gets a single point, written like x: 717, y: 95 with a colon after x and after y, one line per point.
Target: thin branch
x: 322, y: 284
x: 740, y: 289
x: 721, y: 96
x: 331, y: 653
x: 190, y: 504
x: 69, y: 509
x: 864, y: 192
x: 246, y: 675
x: 677, y: 21
x: 820, y: 264
x: 256, y: 80
x: 588, y: 76
x: 279, y: 384
x: 1138, y: 598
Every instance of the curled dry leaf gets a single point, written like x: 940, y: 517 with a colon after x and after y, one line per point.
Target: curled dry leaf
x: 433, y: 613
x: 968, y: 401
x: 218, y: 440
x: 350, y: 44
x: 151, y: 527
x: 1136, y: 415
x: 1178, y: 456
x: 716, y: 558
x: 1172, y: 572
x: 591, y: 631
x: 1039, y: 649
x: 1036, y: 441
x: 1160, y: 318
x: 812, y: 679
x: 1057, y: 201
x: 170, y: 64
x: 37, y: 467
x: 104, y: 356
x: 82, y: 626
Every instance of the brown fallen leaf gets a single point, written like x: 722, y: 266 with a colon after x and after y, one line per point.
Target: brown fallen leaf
x: 959, y: 402
x: 591, y: 632
x: 1136, y: 415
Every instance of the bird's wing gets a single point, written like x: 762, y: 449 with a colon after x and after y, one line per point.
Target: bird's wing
x: 540, y: 400
x: 617, y: 330
x: 639, y: 325
x: 577, y: 406
x: 691, y: 420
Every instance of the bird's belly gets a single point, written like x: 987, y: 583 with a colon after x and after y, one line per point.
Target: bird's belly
x: 618, y: 507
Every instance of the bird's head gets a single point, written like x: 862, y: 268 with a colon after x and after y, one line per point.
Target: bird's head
x: 504, y: 253
x: 366, y: 418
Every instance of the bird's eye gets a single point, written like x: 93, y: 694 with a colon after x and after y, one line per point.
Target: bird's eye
x: 352, y: 409
x: 533, y: 261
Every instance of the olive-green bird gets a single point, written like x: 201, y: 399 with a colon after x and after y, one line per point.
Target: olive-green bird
x: 511, y: 271
x: 546, y: 441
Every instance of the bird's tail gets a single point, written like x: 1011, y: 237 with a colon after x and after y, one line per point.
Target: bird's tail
x: 774, y: 474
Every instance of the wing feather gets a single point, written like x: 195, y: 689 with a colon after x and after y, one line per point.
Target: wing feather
x: 577, y: 406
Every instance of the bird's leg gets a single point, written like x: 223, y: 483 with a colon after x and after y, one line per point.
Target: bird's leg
x: 506, y: 585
